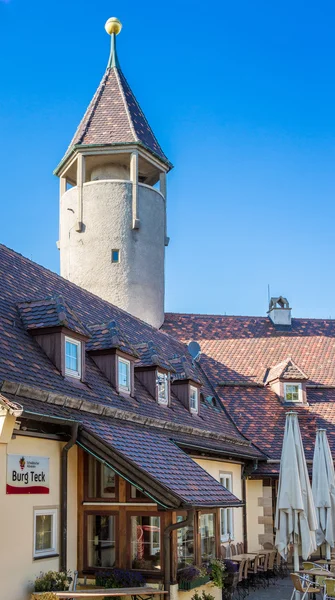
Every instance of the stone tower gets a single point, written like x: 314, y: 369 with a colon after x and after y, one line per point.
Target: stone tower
x: 112, y: 219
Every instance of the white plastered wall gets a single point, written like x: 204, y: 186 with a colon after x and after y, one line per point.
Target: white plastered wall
x: 136, y: 282
x: 17, y: 566
x: 214, y: 468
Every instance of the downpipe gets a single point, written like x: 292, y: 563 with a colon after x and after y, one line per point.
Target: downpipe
x: 167, y: 547
x: 64, y: 494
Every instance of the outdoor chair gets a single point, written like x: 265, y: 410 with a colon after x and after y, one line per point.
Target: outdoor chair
x: 223, y: 551
x: 239, y: 548
x: 271, y: 573
x: 262, y: 570
x: 240, y: 590
x: 278, y: 565
x: 253, y: 577
x: 233, y: 549
x: 306, y: 590
x: 329, y: 589
x: 308, y: 565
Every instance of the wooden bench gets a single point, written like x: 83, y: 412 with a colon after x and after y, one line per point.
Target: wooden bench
x: 135, y: 593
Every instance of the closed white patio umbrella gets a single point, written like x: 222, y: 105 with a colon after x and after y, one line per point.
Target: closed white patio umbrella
x: 295, y: 521
x: 323, y: 487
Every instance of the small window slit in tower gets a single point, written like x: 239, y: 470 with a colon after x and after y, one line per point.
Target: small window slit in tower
x: 115, y: 256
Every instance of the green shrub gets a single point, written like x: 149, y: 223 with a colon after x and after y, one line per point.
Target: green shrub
x: 216, y: 571
x: 52, y: 581
x: 204, y: 596
x: 45, y: 596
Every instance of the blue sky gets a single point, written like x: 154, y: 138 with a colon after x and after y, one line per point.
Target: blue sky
x: 241, y: 96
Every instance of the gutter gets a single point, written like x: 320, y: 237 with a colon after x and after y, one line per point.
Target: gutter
x: 167, y: 547
x: 64, y: 495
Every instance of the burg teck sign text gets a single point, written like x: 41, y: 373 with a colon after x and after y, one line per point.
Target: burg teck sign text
x: 27, y: 474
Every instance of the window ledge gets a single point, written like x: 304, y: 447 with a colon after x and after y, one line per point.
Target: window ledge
x: 46, y: 556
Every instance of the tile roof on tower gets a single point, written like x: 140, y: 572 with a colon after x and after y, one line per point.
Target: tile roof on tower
x: 114, y: 116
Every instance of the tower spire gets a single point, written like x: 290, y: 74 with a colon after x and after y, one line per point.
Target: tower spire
x: 113, y: 27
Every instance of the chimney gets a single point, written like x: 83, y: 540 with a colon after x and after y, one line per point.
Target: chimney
x: 280, y: 312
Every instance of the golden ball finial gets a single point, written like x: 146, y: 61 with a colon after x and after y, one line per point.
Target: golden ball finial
x: 113, y: 25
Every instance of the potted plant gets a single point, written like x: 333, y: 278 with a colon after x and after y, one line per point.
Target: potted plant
x: 230, y: 579
x: 204, y: 596
x: 52, y: 581
x: 119, y: 578
x: 217, y: 572
x: 191, y: 577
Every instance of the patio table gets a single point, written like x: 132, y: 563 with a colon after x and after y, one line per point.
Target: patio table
x: 261, y: 552
x: 240, y: 557
x: 316, y: 573
x: 135, y: 593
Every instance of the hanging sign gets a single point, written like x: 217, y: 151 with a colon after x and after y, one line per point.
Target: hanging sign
x: 27, y: 474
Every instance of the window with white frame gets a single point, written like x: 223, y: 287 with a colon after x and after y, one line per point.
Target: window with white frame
x: 163, y: 388
x: 226, y: 514
x: 124, y: 374
x: 194, y: 402
x: 72, y: 357
x: 45, y: 532
x: 293, y: 392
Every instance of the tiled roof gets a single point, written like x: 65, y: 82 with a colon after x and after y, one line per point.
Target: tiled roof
x: 239, y: 351
x: 153, y: 452
x: 23, y: 361
x: 243, y: 348
x: 107, y: 336
x: 285, y: 370
x: 150, y: 356
x: 50, y: 312
x: 184, y: 368
x: 115, y: 117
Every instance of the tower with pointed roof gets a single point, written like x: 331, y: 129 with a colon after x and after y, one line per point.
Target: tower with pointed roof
x: 112, y: 219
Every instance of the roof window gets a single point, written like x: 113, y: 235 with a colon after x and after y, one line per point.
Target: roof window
x: 292, y: 392
x: 72, y: 357
x: 194, y: 399
x: 162, y: 383
x: 124, y: 374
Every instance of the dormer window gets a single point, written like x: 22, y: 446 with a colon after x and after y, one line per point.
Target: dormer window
x: 293, y: 392
x: 124, y: 375
x: 162, y: 388
x: 72, y: 357
x: 194, y: 401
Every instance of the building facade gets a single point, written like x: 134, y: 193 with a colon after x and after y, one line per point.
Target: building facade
x: 117, y: 447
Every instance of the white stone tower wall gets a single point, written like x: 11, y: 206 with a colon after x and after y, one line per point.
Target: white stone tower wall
x: 136, y: 283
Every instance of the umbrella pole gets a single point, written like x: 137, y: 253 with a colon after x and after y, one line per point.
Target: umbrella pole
x: 296, y: 565
x: 296, y: 558
x: 328, y: 551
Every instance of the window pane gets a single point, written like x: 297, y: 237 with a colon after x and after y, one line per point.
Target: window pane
x: 124, y: 374
x: 44, y: 526
x: 115, y: 256
x: 194, y: 399
x: 292, y: 393
x: 101, y: 546
x: 207, y: 537
x: 71, y: 356
x: 162, y: 388
x: 101, y: 480
x: 185, y: 545
x: 145, y: 543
